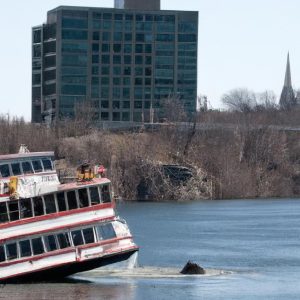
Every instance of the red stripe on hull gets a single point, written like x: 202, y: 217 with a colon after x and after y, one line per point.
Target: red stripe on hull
x: 63, y: 251
x: 122, y: 250
x: 57, y: 215
x: 58, y: 228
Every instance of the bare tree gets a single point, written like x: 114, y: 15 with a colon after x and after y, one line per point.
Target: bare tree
x: 173, y: 109
x: 267, y: 100
x: 240, y: 99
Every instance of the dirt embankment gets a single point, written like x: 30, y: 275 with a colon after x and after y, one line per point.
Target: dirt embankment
x: 245, y: 161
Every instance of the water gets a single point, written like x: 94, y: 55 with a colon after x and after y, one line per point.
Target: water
x: 251, y: 249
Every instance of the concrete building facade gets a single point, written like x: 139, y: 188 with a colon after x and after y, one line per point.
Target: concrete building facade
x: 122, y: 61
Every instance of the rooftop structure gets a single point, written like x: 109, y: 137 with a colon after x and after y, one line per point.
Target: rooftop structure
x: 138, y: 4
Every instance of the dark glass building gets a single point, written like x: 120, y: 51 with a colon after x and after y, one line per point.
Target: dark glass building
x: 122, y: 60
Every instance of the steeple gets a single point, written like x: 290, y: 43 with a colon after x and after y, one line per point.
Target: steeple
x: 287, y: 98
x: 288, y: 77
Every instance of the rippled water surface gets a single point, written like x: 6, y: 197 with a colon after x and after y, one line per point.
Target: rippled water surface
x: 251, y: 249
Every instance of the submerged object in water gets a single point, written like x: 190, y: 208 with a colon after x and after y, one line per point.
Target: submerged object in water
x: 192, y: 269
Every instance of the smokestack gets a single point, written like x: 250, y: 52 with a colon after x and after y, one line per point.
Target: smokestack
x: 138, y: 4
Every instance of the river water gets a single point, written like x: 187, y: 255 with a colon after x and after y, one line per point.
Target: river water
x: 251, y: 249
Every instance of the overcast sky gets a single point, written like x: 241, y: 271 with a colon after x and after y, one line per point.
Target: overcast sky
x: 242, y: 43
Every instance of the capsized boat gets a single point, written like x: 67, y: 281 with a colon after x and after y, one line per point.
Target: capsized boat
x: 50, y: 230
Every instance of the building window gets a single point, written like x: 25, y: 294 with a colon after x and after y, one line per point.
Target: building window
x: 96, y: 36
x: 128, y: 37
x: 95, y: 47
x: 105, y: 70
x: 138, y: 60
x: 105, y: 104
x: 117, y: 59
x: 107, y: 16
x: 117, y: 36
x: 127, y: 48
x: 125, y: 116
x: 105, y: 59
x: 126, y: 104
x: 74, y: 35
x: 74, y: 23
x: 127, y: 71
x: 138, y: 104
x: 117, y: 48
x: 116, y: 117
x: 105, y: 36
x: 104, y: 116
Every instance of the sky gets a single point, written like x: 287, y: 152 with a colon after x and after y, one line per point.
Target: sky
x: 242, y: 44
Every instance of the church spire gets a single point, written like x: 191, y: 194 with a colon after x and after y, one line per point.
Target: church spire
x: 287, y: 98
x: 288, y: 77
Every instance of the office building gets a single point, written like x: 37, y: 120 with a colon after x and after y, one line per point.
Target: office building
x: 123, y: 61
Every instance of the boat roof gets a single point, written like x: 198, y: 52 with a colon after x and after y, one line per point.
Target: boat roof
x: 25, y: 155
x: 78, y: 185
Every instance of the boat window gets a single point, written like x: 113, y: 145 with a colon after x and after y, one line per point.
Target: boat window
x: 72, y: 202
x: 99, y: 233
x: 106, y: 231
x: 50, y: 204
x: 94, y: 195
x: 37, y: 246
x: 61, y: 202
x: 13, y: 207
x: 63, y: 240
x: 3, y: 213
x: 25, y: 208
x: 27, y: 168
x: 105, y: 195
x: 88, y: 234
x: 37, y: 166
x: 83, y: 198
x: 47, y: 164
x: 16, y: 169
x: 77, y: 237
x: 2, y: 253
x: 50, y: 243
x: 11, y: 251
x: 4, y: 170
x: 38, y: 206
x: 25, y: 249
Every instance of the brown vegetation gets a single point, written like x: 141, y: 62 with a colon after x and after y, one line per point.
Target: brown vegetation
x: 250, y: 158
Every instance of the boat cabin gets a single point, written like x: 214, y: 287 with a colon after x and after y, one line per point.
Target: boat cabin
x: 26, y: 164
x: 69, y: 197
x: 37, y: 245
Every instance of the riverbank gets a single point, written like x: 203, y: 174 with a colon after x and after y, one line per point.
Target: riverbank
x: 243, y: 161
